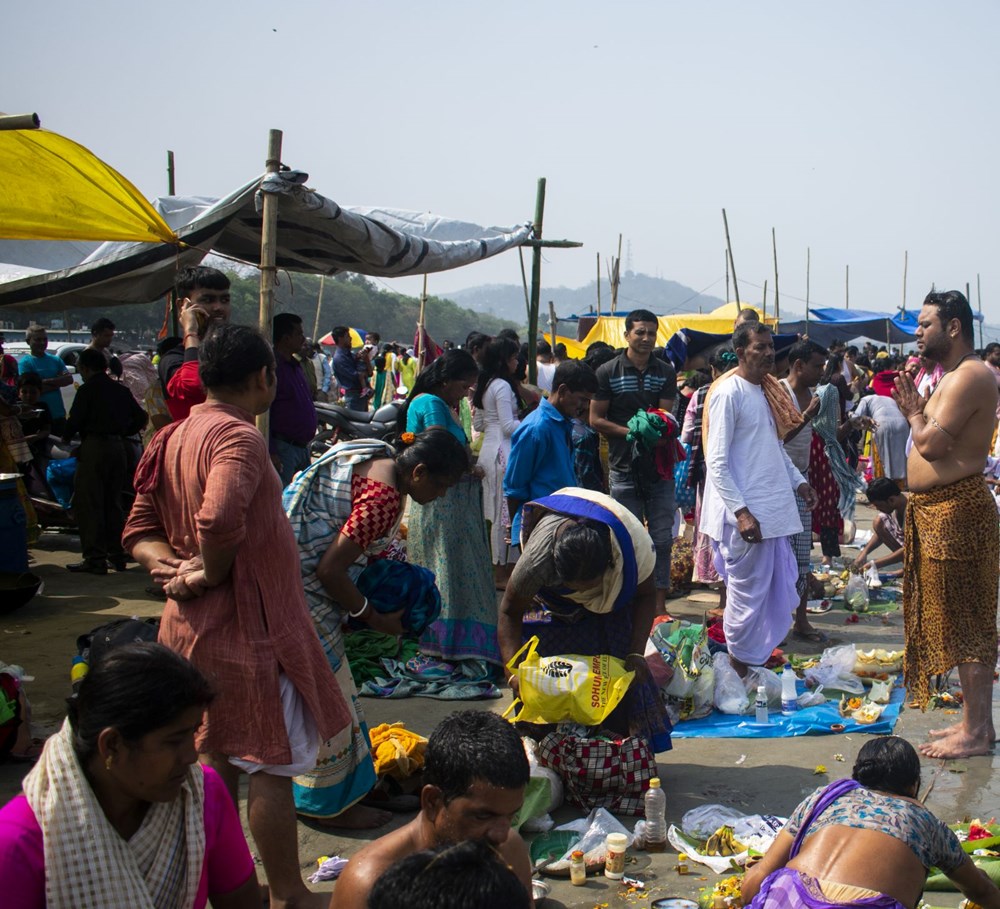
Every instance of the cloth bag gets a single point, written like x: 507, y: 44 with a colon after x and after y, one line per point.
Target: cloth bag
x: 568, y: 687
x: 611, y: 772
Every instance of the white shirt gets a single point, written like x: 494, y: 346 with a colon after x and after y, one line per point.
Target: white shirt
x: 545, y: 373
x: 798, y: 448
x: 746, y: 464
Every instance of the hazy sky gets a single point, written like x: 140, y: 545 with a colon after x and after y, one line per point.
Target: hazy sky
x: 856, y: 129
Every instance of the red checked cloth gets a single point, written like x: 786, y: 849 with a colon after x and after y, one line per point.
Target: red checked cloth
x: 601, y: 773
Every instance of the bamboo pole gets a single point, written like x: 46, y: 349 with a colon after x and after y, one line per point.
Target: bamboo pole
x: 552, y: 326
x: 319, y: 307
x: 175, y: 326
x: 732, y: 264
x: 617, y: 277
x: 906, y: 264
x: 979, y: 303
x: 774, y: 247
x: 598, y: 285
x: 420, y: 326
x: 725, y: 256
x: 268, y: 255
x: 536, y: 283
x: 19, y: 121
x: 524, y: 285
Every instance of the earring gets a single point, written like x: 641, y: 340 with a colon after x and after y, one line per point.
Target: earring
x: 107, y: 764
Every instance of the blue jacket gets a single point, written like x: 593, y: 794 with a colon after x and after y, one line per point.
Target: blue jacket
x: 540, y: 460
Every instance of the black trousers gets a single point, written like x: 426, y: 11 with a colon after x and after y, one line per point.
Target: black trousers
x: 97, y: 497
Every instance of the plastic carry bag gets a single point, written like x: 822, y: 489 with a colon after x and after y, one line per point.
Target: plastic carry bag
x: 856, y: 594
x: 703, y: 821
x: 836, y: 670
x: 684, y: 647
x: 554, y: 689
x: 871, y: 576
x: 736, y: 696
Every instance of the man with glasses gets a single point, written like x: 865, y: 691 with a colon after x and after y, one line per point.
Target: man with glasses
x: 203, y: 297
x: 635, y: 381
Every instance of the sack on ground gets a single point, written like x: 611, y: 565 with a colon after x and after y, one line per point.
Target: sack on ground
x: 684, y: 647
x: 569, y: 687
x: 610, y: 772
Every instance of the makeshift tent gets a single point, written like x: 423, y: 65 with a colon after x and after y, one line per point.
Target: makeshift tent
x: 51, y: 188
x: 611, y: 329
x: 828, y: 324
x: 315, y: 235
x: 687, y: 345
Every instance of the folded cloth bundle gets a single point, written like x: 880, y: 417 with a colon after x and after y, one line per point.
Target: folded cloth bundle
x: 390, y: 586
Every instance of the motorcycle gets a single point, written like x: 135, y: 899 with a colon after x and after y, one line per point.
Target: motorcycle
x: 338, y: 424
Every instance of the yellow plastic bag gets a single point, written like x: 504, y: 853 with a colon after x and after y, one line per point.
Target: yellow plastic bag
x: 568, y: 687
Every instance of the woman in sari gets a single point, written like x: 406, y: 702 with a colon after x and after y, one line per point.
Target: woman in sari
x: 345, y: 509
x: 448, y: 535
x: 584, y: 584
x: 864, y: 842
x: 496, y: 407
x: 117, y: 811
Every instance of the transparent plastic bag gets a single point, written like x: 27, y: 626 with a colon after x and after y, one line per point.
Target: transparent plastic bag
x: 836, y: 670
x: 704, y: 820
x: 730, y: 694
x: 871, y: 576
x: 856, y: 594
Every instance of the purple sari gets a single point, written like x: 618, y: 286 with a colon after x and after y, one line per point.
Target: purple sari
x: 787, y: 888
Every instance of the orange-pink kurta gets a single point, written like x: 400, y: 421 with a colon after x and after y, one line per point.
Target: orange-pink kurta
x: 214, y: 483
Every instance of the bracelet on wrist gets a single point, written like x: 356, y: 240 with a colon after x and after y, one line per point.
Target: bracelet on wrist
x: 511, y: 678
x: 641, y: 656
x: 360, y: 612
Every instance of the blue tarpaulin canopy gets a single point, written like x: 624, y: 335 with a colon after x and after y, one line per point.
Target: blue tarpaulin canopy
x: 828, y: 324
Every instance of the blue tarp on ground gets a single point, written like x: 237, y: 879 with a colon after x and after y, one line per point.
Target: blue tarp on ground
x: 811, y: 721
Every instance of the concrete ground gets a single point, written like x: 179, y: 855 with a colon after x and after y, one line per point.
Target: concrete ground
x: 773, y: 777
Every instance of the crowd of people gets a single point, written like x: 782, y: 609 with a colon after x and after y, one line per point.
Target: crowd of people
x: 543, y: 510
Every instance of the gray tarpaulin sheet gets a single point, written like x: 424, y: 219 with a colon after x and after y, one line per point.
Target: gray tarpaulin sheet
x: 315, y: 236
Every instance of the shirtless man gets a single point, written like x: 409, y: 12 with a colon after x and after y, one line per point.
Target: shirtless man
x: 475, y: 774
x: 952, y: 539
x: 884, y: 494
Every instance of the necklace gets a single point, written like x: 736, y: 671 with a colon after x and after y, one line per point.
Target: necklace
x: 960, y: 362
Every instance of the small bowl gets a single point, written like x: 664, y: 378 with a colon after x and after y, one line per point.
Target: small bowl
x: 837, y: 727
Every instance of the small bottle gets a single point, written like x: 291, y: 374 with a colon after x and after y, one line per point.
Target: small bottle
x: 761, y: 705
x: 682, y: 863
x: 789, y: 702
x: 656, y: 817
x: 615, y: 845
x: 577, y: 869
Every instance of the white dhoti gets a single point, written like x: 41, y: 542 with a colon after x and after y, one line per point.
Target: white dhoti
x: 760, y: 593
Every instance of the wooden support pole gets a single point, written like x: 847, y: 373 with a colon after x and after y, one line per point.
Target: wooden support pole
x: 20, y: 121
x: 807, y: 289
x: 906, y: 263
x: 552, y: 325
x: 268, y: 254
x: 553, y: 244
x: 524, y: 285
x: 774, y: 247
x: 536, y: 283
x: 725, y: 255
x: 598, y: 285
x: 175, y: 326
x: 979, y: 302
x: 616, y: 277
x: 420, y: 326
x: 732, y: 264
x: 319, y: 307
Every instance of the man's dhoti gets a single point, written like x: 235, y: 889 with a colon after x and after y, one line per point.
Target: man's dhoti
x: 760, y: 593
x: 950, y: 571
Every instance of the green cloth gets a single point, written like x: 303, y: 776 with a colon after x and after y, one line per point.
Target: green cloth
x: 365, y: 650
x: 646, y: 428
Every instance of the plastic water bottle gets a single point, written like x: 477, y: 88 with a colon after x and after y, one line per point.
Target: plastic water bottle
x: 656, y: 817
x: 789, y: 696
x: 760, y: 706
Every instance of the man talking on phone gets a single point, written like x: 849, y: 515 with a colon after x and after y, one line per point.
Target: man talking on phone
x: 203, y: 298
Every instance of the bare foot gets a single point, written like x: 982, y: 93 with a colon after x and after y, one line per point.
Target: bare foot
x: 357, y: 817
x: 948, y: 730
x: 959, y: 745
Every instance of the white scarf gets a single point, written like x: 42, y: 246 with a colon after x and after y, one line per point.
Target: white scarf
x: 88, y: 865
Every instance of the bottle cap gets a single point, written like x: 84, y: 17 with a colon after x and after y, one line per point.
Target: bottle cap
x: 762, y: 691
x: 682, y: 856
x: 577, y: 854
x: 654, y: 783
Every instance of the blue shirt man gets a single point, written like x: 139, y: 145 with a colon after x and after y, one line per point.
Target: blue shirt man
x: 52, y: 371
x: 541, y: 449
x: 351, y: 376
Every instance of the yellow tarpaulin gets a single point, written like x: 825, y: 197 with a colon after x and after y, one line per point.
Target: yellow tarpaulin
x: 611, y: 329
x: 51, y: 188
x: 575, y: 350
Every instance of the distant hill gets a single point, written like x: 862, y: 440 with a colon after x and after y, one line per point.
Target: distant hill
x: 636, y: 291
